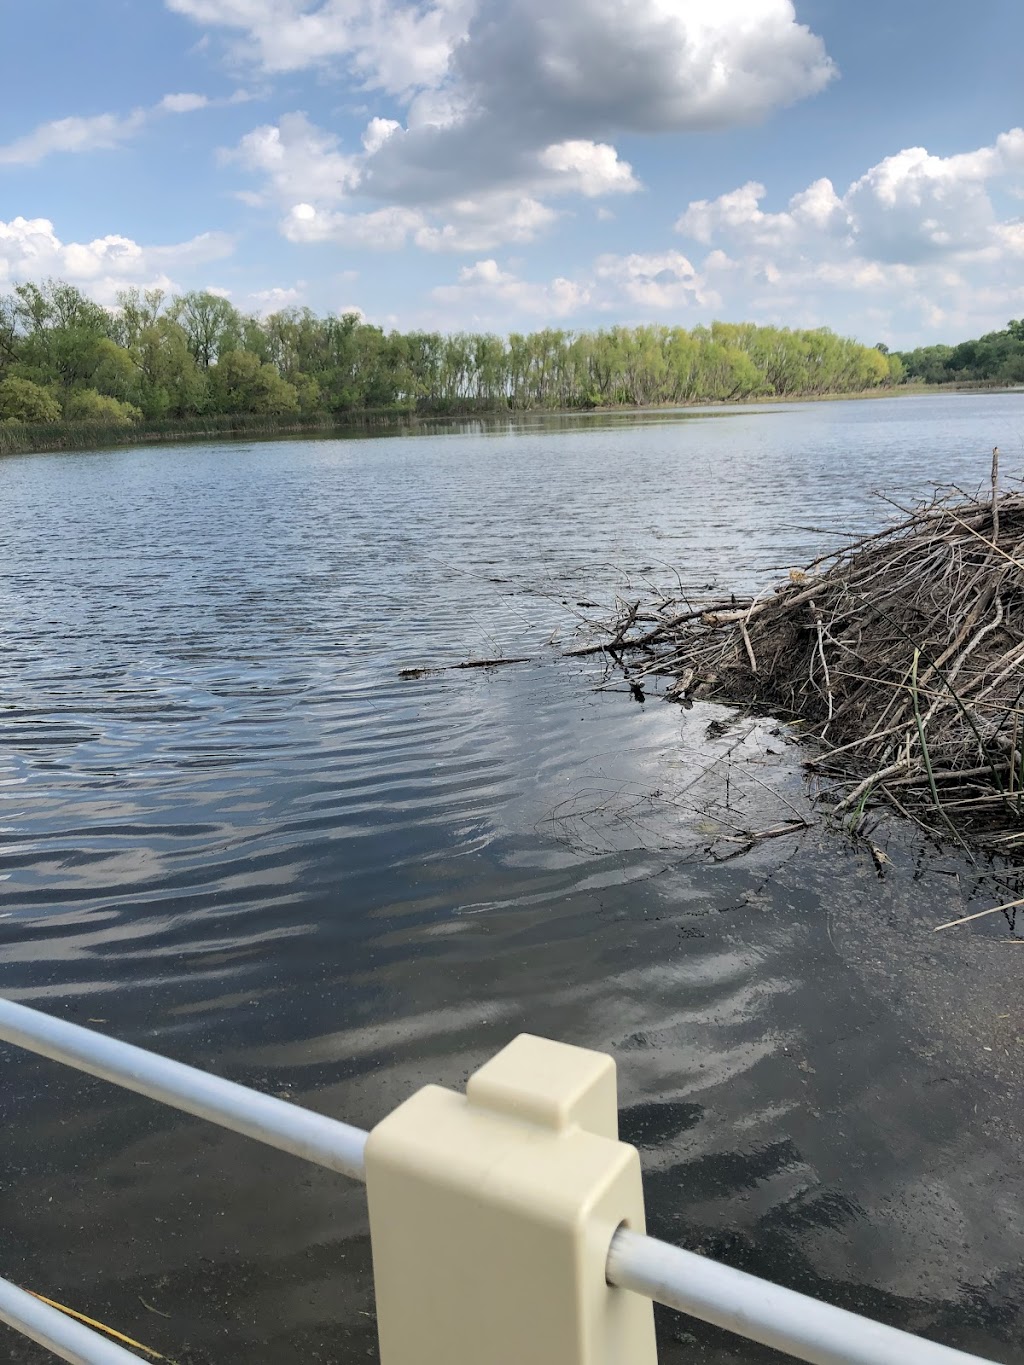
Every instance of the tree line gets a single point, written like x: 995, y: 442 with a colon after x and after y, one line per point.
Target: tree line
x: 995, y: 358
x: 64, y: 358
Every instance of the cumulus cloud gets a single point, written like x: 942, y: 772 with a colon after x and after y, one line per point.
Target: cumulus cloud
x: 535, y: 88
x: 385, y: 229
x: 471, y: 225
x: 647, y: 66
x: 922, y: 233
x: 273, y: 300
x: 651, y: 64
x: 658, y: 282
x: 377, y: 132
x: 593, y: 168
x: 31, y: 249
x: 517, y: 97
x: 394, y: 47
x: 297, y: 162
x: 488, y: 221
x: 635, y: 287
x: 484, y: 284
x: 908, y: 209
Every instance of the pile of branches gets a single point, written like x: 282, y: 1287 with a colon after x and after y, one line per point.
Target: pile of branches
x: 902, y: 655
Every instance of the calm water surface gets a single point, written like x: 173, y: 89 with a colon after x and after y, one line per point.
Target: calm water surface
x: 231, y: 832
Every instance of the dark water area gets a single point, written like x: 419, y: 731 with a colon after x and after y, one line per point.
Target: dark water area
x: 231, y: 832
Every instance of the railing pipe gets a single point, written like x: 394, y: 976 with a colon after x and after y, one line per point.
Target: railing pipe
x: 57, y: 1332
x: 793, y: 1323
x: 324, y: 1141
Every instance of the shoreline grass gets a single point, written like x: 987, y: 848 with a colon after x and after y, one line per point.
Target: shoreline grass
x: 21, y: 438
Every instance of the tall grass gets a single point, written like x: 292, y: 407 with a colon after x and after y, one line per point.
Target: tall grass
x: 18, y: 438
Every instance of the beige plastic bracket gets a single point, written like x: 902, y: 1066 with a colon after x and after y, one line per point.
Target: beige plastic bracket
x: 491, y: 1215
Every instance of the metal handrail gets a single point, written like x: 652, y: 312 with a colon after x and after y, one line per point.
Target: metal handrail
x: 750, y: 1307
x: 314, y: 1137
x: 57, y: 1332
x: 796, y: 1324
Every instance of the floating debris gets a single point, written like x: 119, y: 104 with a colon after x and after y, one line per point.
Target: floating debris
x: 500, y: 662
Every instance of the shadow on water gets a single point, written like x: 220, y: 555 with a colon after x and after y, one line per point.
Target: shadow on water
x: 232, y: 833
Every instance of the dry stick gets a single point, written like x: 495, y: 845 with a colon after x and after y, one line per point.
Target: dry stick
x: 1013, y: 753
x: 977, y: 534
x: 994, y: 624
x: 728, y: 618
x: 491, y: 663
x: 749, y: 647
x: 934, y: 665
x: 901, y: 765
x: 777, y: 832
x: 1015, y: 657
x: 925, y: 829
x: 924, y: 743
x: 1010, y: 905
x: 935, y: 668
x: 995, y: 496
x: 856, y: 743
x: 824, y: 664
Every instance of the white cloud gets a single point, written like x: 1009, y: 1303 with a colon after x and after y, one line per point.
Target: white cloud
x: 514, y: 97
x: 273, y: 300
x: 394, y: 47
x: 31, y: 249
x: 471, y: 225
x: 183, y: 104
x: 386, y: 229
x: 656, y: 282
x: 101, y: 132
x: 377, y: 132
x: 593, y: 168
x: 910, y: 208
x: 917, y: 236
x: 298, y: 162
x: 534, y: 86
x: 486, y: 222
x: 484, y: 284
x: 651, y: 65
x: 305, y: 169
x: 663, y: 286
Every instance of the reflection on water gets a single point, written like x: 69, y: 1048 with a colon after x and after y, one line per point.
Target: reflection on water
x: 231, y: 832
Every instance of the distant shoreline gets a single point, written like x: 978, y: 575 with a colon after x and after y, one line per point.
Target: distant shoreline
x: 56, y: 438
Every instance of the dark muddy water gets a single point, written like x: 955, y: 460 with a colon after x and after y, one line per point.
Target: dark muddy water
x: 231, y: 832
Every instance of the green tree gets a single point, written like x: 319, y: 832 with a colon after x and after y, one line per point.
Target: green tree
x: 23, y: 401
x: 212, y: 327
x: 239, y: 382
x: 86, y: 405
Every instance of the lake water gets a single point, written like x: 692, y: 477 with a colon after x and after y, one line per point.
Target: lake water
x: 231, y: 832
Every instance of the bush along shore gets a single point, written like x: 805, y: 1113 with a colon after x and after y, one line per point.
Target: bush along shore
x: 66, y: 362
x: 902, y: 656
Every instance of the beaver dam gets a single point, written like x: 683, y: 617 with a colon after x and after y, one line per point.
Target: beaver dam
x: 902, y: 655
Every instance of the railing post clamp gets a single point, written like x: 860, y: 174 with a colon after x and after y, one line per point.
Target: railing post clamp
x: 491, y: 1215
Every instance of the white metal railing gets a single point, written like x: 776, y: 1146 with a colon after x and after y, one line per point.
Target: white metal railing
x: 56, y: 1331
x: 802, y: 1327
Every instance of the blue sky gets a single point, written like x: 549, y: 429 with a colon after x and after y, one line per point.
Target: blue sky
x: 511, y: 164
